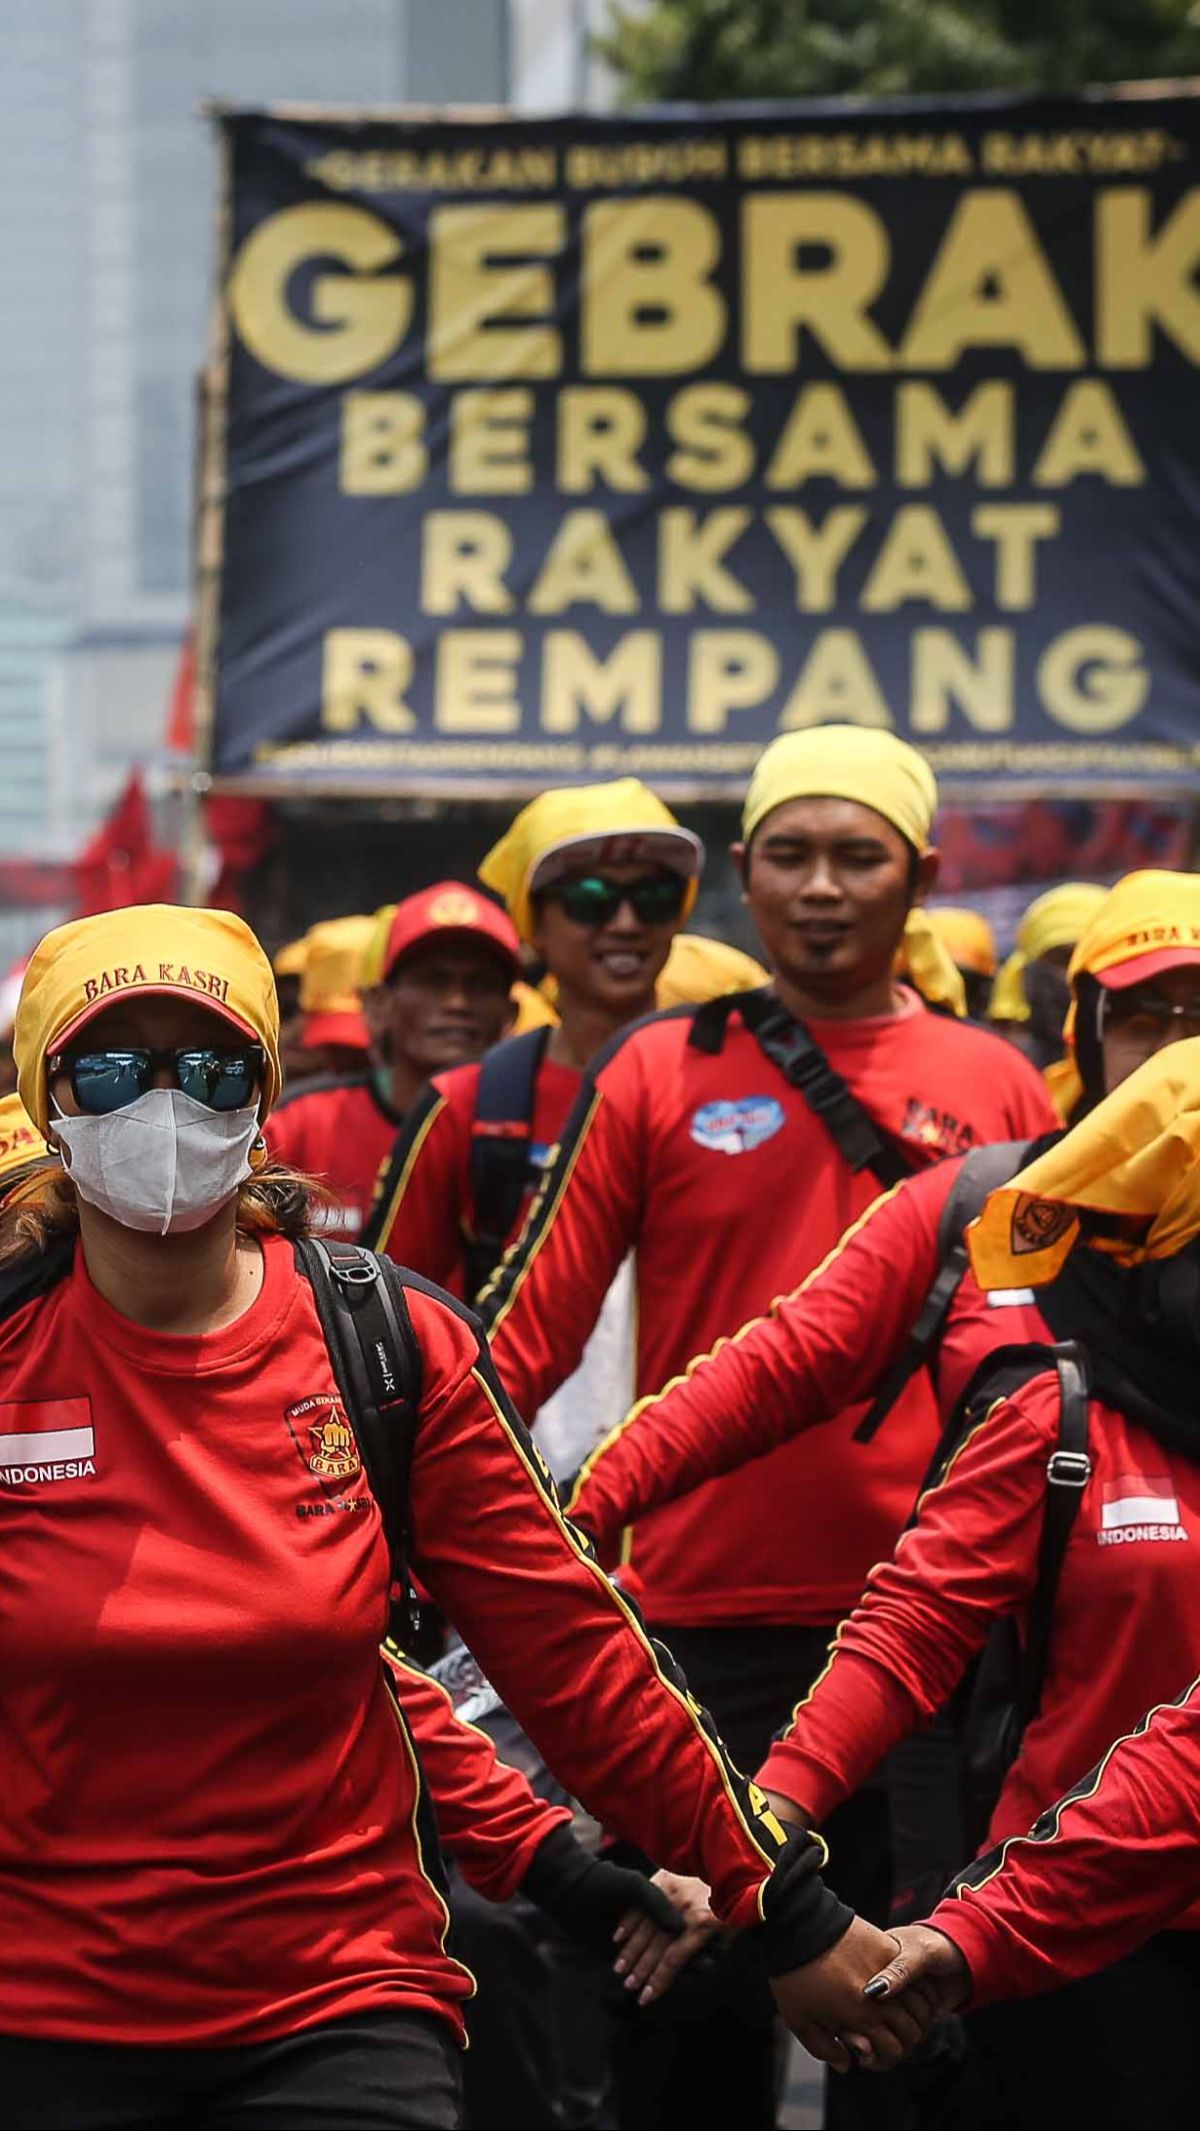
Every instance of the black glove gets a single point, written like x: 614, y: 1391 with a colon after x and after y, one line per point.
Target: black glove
x: 588, y: 1896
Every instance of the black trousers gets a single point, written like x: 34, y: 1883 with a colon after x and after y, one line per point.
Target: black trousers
x: 1119, y: 2051
x: 378, y: 2072
x: 708, y: 2056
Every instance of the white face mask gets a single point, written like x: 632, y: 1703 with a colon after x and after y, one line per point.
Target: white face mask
x: 164, y: 1163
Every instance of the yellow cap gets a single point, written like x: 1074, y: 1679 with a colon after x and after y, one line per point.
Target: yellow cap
x: 698, y: 968
x: 1133, y: 1164
x: 967, y: 938
x: 875, y: 769
x: 332, y: 980
x: 20, y: 1140
x: 565, y: 831
x: 148, y: 950
x: 291, y: 958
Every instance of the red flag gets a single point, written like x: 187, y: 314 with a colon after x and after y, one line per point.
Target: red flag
x: 121, y: 864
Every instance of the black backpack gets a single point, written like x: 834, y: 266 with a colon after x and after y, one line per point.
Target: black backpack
x: 362, y: 1305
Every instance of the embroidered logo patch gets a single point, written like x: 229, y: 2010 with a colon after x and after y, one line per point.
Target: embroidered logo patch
x: 1037, y: 1223
x: 737, y: 1127
x: 333, y: 1454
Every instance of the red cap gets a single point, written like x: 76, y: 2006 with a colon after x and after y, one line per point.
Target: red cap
x: 449, y: 908
x: 1143, y: 967
x: 348, y: 1030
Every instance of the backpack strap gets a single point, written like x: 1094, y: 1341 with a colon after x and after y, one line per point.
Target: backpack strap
x: 501, y: 1137
x: 376, y: 1359
x: 1068, y: 1470
x: 790, y: 1048
x: 983, y: 1171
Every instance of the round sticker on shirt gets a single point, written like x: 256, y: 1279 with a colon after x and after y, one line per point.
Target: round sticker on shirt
x: 736, y: 1127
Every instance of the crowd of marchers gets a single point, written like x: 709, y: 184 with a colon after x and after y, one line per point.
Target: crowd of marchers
x: 568, y: 1488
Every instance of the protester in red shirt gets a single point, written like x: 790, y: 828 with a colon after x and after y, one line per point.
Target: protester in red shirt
x: 1126, y: 1617
x: 597, y: 879
x: 438, y: 988
x: 212, y: 1872
x: 832, y: 1340
x: 691, y: 1147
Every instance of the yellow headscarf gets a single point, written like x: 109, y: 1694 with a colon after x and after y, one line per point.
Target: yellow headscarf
x: 582, y: 825
x: 1134, y: 1162
x: 698, y: 968
x: 877, y: 770
x: 1055, y: 919
x: 967, y: 938
x: 20, y: 1140
x: 207, y: 956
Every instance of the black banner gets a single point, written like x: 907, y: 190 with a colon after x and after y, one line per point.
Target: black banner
x: 559, y: 449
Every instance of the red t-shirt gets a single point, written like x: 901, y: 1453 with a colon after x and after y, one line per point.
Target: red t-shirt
x: 1113, y: 1862
x: 341, y: 1135
x: 720, y: 1176
x: 428, y: 1219
x: 1126, y: 1621
x: 211, y: 1825
x: 817, y: 1350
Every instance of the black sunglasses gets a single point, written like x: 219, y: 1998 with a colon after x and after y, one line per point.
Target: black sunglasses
x: 220, y: 1077
x: 656, y: 898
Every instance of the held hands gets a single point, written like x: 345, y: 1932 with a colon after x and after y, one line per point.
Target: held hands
x: 842, y: 2015
x: 649, y: 1959
x: 824, y: 2004
x: 928, y: 1961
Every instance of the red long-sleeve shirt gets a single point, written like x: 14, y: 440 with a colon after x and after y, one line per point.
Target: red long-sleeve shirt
x: 716, y: 1171
x: 1126, y: 1622
x: 490, y: 1819
x: 341, y: 1134
x: 818, y: 1350
x: 1115, y: 1860
x: 427, y: 1219
x: 213, y: 1828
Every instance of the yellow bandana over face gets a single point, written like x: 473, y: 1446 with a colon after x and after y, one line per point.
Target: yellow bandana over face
x: 151, y: 949
x: 586, y: 825
x: 1130, y: 1172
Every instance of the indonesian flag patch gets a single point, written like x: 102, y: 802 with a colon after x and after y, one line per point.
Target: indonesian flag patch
x: 1139, y: 1498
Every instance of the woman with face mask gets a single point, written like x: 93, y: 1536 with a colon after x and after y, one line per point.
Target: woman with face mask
x: 218, y: 1898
